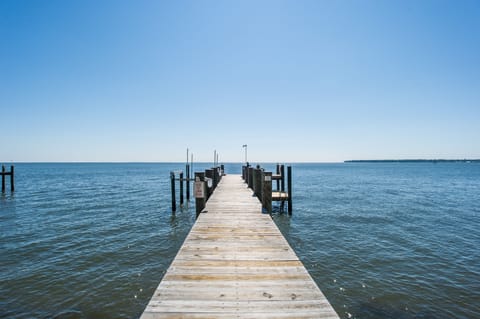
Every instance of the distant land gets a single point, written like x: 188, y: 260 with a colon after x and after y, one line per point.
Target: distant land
x: 416, y: 161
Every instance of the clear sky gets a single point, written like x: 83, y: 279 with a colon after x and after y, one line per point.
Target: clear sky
x: 315, y: 81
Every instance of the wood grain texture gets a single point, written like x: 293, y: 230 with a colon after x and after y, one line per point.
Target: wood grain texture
x: 235, y: 263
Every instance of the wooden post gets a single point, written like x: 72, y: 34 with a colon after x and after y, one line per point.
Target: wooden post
x: 254, y: 175
x: 12, y: 179
x: 250, y: 177
x: 3, y: 179
x: 181, y: 188
x: 222, y: 170
x: 258, y: 182
x: 278, y: 173
x: 209, y: 174
x: 188, y: 182
x: 282, y: 172
x: 289, y: 180
x: 215, y: 177
x: 200, y: 193
x: 172, y: 184
x: 267, y: 191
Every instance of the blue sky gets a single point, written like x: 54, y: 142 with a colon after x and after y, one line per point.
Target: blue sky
x: 316, y: 81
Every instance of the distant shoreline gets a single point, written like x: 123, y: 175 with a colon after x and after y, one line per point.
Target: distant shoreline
x: 416, y: 161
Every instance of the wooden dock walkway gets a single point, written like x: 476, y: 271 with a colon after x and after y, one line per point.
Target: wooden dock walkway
x: 235, y: 263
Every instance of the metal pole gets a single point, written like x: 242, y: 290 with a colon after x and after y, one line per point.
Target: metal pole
x: 245, y: 146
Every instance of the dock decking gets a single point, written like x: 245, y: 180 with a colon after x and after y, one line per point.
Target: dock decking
x: 235, y: 263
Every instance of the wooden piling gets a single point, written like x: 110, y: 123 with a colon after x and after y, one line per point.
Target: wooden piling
x: 277, y: 171
x: 257, y: 184
x: 180, y: 180
x: 187, y: 169
x: 250, y: 177
x: 267, y: 191
x: 12, y: 179
x: 172, y: 184
x: 289, y: 181
x: 282, y: 173
x: 209, y: 174
x: 200, y: 192
x: 3, y: 178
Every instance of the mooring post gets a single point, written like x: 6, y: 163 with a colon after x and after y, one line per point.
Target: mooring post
x: 258, y: 182
x: 215, y: 178
x: 200, y: 192
x: 12, y: 179
x: 250, y: 177
x: 254, y: 172
x: 289, y: 180
x: 188, y: 182
x: 267, y: 191
x: 181, y: 188
x: 282, y: 172
x: 209, y: 175
x: 222, y: 170
x: 3, y: 179
x: 278, y: 173
x: 172, y: 184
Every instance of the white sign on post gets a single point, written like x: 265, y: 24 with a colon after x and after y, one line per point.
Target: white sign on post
x: 268, y: 178
x: 199, y: 190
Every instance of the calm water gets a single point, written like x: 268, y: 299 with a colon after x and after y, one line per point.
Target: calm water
x: 390, y: 240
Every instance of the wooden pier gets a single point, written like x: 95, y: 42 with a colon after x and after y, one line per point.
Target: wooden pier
x: 235, y: 263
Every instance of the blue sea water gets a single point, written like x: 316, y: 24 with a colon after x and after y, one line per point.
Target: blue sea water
x: 382, y: 240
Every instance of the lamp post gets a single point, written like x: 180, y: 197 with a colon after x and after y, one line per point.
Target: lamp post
x: 245, y: 147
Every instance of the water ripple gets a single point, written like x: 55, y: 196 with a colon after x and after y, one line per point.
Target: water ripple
x: 381, y: 241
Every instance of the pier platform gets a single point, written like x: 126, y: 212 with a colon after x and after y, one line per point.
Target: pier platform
x: 235, y: 263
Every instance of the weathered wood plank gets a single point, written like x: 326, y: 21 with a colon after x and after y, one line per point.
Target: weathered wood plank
x: 235, y: 263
